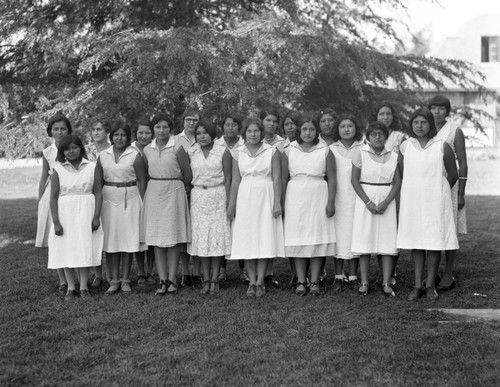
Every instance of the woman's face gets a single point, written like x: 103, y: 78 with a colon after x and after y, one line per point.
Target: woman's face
x: 326, y: 123
x: 347, y: 130
x: 307, y: 132
x: 231, y: 129
x: 72, y: 152
x: 202, y: 137
x: 377, y: 139
x: 144, y: 135
x: 99, y: 133
x: 385, y: 116
x: 59, y: 131
x: 270, y: 123
x: 253, y: 134
x: 289, y: 127
x: 190, y: 122
x: 439, y: 113
x: 162, y: 130
x: 421, y: 126
x: 120, y: 139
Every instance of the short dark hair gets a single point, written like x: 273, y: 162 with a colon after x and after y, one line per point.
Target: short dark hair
x: 377, y: 125
x: 269, y: 112
x: 58, y: 117
x: 305, y: 118
x: 161, y: 117
x: 235, y: 117
x: 396, y: 122
x: 117, y: 125
x: 209, y: 128
x: 249, y: 121
x: 329, y: 111
x: 65, y: 143
x: 294, y: 115
x: 423, y: 112
x: 344, y: 117
x: 440, y: 100
x: 190, y: 111
x: 106, y: 125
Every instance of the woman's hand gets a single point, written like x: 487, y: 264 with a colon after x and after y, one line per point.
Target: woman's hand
x: 95, y: 224
x: 330, y: 210
x: 58, y: 230
x: 461, y: 201
x: 231, y: 211
x: 372, y: 207
x: 277, y: 210
x: 382, y: 206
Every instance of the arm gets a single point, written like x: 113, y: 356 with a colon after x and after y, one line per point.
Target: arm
x: 285, y: 174
x: 276, y: 174
x: 331, y: 177
x: 227, y: 164
x: 235, y: 185
x: 450, y: 164
x: 463, y: 168
x: 396, y: 187
x: 355, y: 181
x: 183, y: 160
x: 97, y: 190
x: 43, y: 178
x: 54, y: 198
x: 140, y: 173
x: 401, y: 161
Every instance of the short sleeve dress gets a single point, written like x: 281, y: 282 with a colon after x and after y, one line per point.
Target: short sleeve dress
x: 425, y: 215
x: 211, y: 235
x: 256, y: 233
x: 375, y: 234
x: 447, y: 133
x: 222, y: 142
x: 345, y: 197
x: 166, y: 221
x: 394, y: 140
x: 44, y: 219
x: 308, y: 231
x: 78, y: 246
x: 121, y: 206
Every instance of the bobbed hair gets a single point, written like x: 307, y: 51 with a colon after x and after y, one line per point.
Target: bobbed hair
x: 329, y: 111
x: 426, y: 113
x: 396, y: 122
x: 106, y: 125
x: 161, y: 117
x: 209, y: 128
x: 269, y: 112
x: 307, y: 117
x: 235, y: 117
x: 440, y: 100
x: 64, y: 145
x: 190, y: 112
x: 377, y: 125
x: 249, y: 121
x: 58, y: 117
x: 344, y: 117
x: 294, y: 115
x: 117, y: 125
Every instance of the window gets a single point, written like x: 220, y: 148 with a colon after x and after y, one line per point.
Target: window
x: 490, y: 48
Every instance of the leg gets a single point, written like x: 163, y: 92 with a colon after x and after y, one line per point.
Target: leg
x: 126, y: 266
x: 433, y: 258
x: 418, y: 266
x: 364, y: 267
x: 338, y: 283
x: 150, y: 257
x: 70, y: 277
x: 448, y: 281
x: 262, y: 270
x: 315, y: 263
x: 83, y: 272
x: 162, y: 267
x: 294, y: 280
x: 113, y: 271
x: 301, y: 270
x: 387, y: 270
x: 243, y: 272
x: 141, y: 274
x: 186, y: 276
x: 251, y: 265
x: 61, y: 273
x: 206, y: 263
x: 216, y: 264
x: 173, y: 255
x: 223, y: 274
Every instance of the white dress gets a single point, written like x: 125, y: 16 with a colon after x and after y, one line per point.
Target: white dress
x: 78, y: 246
x: 345, y: 198
x: 256, y: 233
x: 425, y: 214
x: 447, y: 134
x: 44, y: 219
x: 121, y: 206
x: 211, y: 235
x: 394, y: 140
x: 309, y: 232
x: 375, y: 234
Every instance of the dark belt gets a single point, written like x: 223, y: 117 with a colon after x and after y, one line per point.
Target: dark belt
x: 124, y: 184
x: 164, y: 178
x: 364, y: 182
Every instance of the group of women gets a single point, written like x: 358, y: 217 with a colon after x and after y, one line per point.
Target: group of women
x: 326, y: 189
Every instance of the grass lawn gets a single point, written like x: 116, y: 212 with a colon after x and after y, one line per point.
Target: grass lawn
x: 282, y: 339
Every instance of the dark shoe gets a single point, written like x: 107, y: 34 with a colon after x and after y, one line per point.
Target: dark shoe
x: 197, y: 281
x: 415, y: 294
x: 261, y: 291
x: 85, y: 295
x: 252, y: 289
x: 141, y: 279
x: 206, y: 287
x: 293, y: 282
x: 244, y: 277
x: 338, y: 285
x: 353, y: 284
x: 70, y: 295
x: 174, y: 286
x: 322, y: 277
x: 114, y: 288
x: 436, y: 282
x: 162, y: 290
x: 96, y: 283
x: 388, y: 292
x: 444, y: 288
x: 63, y: 289
x: 271, y: 280
x: 314, y: 289
x: 301, y: 289
x: 363, y: 290
x: 431, y: 294
x: 186, y: 281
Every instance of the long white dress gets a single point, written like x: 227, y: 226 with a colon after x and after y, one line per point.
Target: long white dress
x: 308, y: 231
x: 44, y: 219
x: 211, y: 236
x: 447, y: 133
x: 121, y: 206
x: 256, y: 233
x: 78, y: 246
x: 426, y: 214
x: 375, y: 234
x: 345, y: 198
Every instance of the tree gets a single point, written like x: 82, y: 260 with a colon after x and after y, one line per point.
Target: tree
x: 106, y: 56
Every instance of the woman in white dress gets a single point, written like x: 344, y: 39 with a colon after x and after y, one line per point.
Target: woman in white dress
x: 255, y: 205
x: 309, y: 203
x: 211, y: 239
x: 123, y: 178
x: 376, y: 179
x: 58, y: 127
x: 348, y: 135
x: 440, y: 108
x: 426, y: 224
x: 75, y: 240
